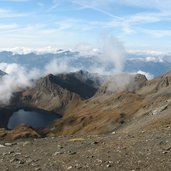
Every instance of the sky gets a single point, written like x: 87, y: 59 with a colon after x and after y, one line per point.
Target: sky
x: 138, y: 24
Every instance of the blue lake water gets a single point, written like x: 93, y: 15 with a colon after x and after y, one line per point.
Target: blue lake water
x: 35, y: 119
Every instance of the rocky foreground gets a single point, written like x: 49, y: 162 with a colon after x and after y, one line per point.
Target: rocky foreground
x: 142, y: 150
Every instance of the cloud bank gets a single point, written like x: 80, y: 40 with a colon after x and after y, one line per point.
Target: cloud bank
x: 110, y: 53
x: 113, y: 52
x: 16, y: 79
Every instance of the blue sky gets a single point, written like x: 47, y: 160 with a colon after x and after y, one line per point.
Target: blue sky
x: 138, y: 24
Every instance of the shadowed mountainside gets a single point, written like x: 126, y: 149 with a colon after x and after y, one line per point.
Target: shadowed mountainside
x: 58, y: 93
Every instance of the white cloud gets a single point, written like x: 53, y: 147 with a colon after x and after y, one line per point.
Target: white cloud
x: 157, y: 4
x: 6, y: 13
x: 17, y: 79
x: 55, y: 31
x: 7, y: 27
x: 112, y: 52
x: 57, y: 66
x: 157, y: 33
x: 37, y: 35
x: 101, y: 6
x: 127, y: 23
x: 86, y: 49
x: 146, y: 52
x: 155, y: 59
x: 14, y: 0
x: 148, y: 75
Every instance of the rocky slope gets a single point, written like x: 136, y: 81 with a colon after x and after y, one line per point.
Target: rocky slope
x: 141, y: 150
x: 148, y: 105
x: 58, y: 93
x: 124, y: 129
x: 88, y: 108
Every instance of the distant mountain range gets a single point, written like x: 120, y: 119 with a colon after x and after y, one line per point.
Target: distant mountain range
x: 154, y: 65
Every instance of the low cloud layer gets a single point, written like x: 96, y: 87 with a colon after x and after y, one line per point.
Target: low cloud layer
x: 111, y: 53
x: 120, y: 82
x: 148, y: 75
x: 16, y: 79
x: 19, y: 78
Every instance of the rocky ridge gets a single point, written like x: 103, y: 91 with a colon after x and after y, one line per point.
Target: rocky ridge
x: 119, y: 130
